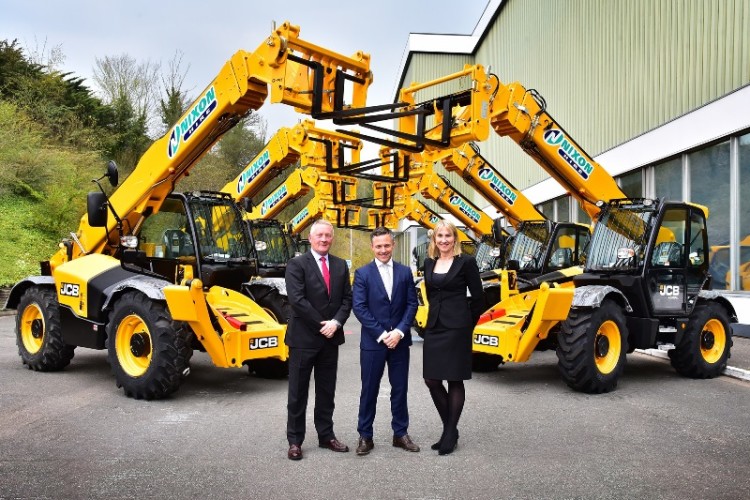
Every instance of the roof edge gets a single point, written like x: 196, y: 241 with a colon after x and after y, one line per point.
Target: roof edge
x: 446, y: 44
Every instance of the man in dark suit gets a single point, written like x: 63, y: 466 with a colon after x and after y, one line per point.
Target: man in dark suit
x: 385, y: 302
x: 317, y: 284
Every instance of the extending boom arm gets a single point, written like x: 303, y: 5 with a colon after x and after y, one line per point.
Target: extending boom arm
x: 293, y: 71
x: 521, y: 115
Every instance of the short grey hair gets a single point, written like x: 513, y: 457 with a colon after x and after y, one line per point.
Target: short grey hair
x: 321, y: 222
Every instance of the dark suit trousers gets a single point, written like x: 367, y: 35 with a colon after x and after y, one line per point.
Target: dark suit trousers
x: 372, y: 365
x: 302, y: 362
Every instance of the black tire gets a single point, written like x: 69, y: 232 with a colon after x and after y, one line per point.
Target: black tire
x: 484, y: 362
x: 148, y: 352
x: 278, y: 307
x: 591, y: 348
x: 705, y: 347
x: 39, y: 331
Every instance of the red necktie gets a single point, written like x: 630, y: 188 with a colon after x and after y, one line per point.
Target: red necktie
x: 326, y: 274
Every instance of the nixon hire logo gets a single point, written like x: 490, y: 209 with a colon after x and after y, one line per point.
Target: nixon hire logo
x: 253, y: 170
x: 464, y: 207
x: 568, y: 152
x: 192, y: 121
x: 273, y: 200
x: 300, y: 217
x: 497, y: 185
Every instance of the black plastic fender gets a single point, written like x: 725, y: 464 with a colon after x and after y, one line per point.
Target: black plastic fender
x: 593, y: 296
x: 19, y: 288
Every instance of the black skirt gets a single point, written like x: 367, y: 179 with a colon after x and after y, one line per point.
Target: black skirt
x: 447, y: 353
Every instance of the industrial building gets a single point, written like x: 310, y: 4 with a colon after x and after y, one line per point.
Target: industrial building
x: 656, y: 91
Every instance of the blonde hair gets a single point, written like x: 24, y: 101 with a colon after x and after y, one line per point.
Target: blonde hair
x: 432, y: 249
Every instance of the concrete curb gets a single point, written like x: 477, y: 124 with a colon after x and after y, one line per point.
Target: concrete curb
x: 730, y: 371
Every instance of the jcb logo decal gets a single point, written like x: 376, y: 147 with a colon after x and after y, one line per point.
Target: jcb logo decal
x: 69, y: 289
x: 669, y: 290
x: 263, y: 343
x: 486, y: 340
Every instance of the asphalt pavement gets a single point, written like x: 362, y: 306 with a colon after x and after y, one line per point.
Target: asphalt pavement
x: 524, y: 434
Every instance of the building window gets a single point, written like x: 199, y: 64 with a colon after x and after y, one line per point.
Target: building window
x: 744, y: 211
x: 548, y: 209
x: 581, y: 215
x: 668, y: 179
x: 631, y: 184
x: 563, y: 209
x: 709, y: 186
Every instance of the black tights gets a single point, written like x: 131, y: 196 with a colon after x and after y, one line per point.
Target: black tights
x: 449, y: 405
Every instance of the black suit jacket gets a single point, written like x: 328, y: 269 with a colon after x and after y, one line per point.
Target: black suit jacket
x: 449, y: 300
x: 310, y: 301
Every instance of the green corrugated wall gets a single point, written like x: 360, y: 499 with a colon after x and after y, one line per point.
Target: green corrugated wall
x: 609, y: 70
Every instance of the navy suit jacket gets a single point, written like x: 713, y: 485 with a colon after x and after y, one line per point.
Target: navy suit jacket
x: 310, y: 301
x: 378, y: 314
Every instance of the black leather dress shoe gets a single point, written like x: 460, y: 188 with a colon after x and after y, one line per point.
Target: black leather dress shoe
x: 364, y: 446
x: 334, y: 444
x: 405, y: 443
x: 295, y: 452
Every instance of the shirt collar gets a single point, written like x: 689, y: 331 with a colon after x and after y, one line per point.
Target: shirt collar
x: 380, y: 264
x: 317, y: 255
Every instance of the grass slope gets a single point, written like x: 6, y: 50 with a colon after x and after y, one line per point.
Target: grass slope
x: 22, y: 247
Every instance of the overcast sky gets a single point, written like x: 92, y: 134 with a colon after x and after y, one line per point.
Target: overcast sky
x: 209, y: 32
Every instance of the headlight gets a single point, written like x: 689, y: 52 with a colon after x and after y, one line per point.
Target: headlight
x: 625, y: 253
x: 129, y: 241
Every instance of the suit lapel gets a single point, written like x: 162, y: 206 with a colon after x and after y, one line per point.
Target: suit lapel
x: 454, y: 269
x: 396, y: 288
x: 312, y: 262
x: 375, y: 272
x: 429, y: 265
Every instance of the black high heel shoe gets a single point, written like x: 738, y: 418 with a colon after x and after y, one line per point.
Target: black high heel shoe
x: 436, y: 446
x: 448, y: 443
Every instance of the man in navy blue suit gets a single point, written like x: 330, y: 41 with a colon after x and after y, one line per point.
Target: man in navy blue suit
x: 384, y: 302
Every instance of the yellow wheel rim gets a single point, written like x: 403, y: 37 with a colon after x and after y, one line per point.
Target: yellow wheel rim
x: 133, y: 345
x: 607, y: 347
x: 713, y: 341
x: 32, y: 328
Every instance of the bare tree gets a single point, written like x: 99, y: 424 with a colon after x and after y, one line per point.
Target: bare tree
x: 174, y: 100
x: 49, y: 58
x: 122, y: 78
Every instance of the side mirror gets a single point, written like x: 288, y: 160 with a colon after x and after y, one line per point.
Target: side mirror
x: 96, y: 209
x: 112, y: 173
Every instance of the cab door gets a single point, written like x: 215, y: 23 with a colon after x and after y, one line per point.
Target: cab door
x: 665, y: 278
x: 678, y: 261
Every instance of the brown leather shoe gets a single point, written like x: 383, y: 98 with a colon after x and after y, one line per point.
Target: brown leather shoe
x: 295, y: 452
x: 334, y: 444
x: 405, y: 442
x: 364, y: 446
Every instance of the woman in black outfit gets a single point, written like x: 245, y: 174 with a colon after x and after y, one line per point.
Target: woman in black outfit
x: 450, y: 323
